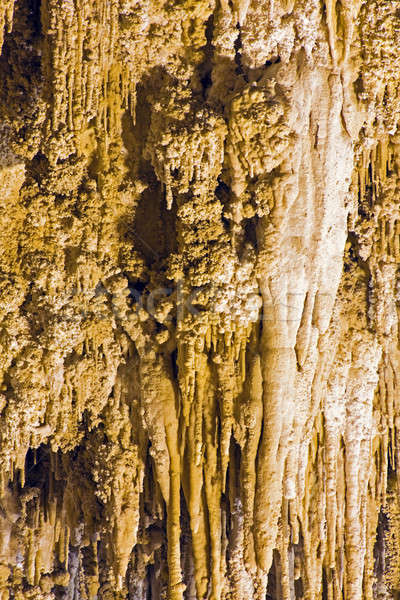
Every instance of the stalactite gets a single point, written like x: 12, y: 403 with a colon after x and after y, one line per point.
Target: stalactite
x: 6, y: 19
x: 199, y: 300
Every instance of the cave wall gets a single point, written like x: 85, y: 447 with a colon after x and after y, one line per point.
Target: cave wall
x: 199, y: 299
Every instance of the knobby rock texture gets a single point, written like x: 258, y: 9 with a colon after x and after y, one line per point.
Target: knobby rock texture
x: 199, y: 299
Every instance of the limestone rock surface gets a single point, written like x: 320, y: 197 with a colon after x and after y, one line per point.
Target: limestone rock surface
x: 199, y: 300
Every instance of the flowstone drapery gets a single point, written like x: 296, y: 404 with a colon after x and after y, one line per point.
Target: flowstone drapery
x: 199, y: 299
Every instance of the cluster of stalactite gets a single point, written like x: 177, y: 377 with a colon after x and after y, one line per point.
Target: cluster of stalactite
x: 199, y: 300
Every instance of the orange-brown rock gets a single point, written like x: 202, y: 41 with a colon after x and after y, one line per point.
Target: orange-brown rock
x: 199, y: 300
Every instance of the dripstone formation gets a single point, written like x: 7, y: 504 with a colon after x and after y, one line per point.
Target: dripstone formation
x: 199, y: 300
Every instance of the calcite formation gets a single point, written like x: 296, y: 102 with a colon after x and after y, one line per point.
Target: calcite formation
x: 199, y: 299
